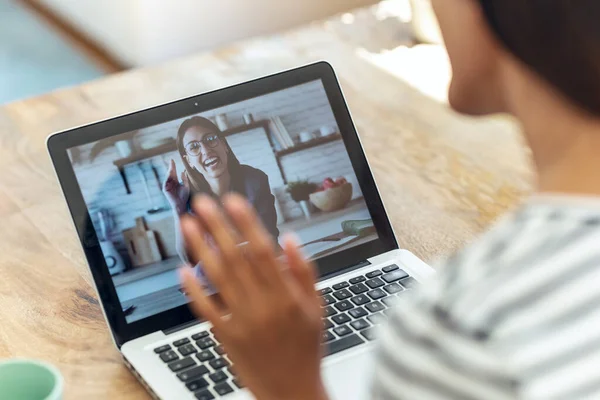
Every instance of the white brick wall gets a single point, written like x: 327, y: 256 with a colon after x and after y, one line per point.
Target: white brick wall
x: 253, y: 148
x: 304, y: 107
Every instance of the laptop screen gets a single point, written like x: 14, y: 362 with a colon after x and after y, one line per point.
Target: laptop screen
x: 283, y: 151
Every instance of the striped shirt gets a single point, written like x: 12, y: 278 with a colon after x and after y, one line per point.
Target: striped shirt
x: 516, y: 315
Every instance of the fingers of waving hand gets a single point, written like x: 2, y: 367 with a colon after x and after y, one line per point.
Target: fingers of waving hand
x: 212, y: 263
x: 233, y: 264
x: 202, y: 305
x: 301, y: 269
x: 171, y: 181
x: 260, y: 250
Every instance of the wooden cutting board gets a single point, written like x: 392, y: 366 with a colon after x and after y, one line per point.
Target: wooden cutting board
x: 142, y: 244
x: 164, y: 230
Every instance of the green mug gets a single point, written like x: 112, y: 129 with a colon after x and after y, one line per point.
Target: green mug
x: 30, y: 380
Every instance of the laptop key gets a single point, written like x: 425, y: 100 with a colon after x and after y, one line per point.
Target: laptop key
x: 181, y: 342
x: 200, y: 335
x: 375, y: 306
x: 409, y: 282
x: 169, y: 356
x: 181, y: 364
x: 329, y: 311
x: 219, y: 350
x: 375, y: 283
x: 327, y: 299
x: 340, y: 285
x: 357, y: 312
x: 360, y: 299
x: 204, y: 395
x: 162, y: 349
x: 238, y: 383
x: 341, y: 318
x: 376, y: 318
x: 327, y: 323
x: 390, y: 268
x: 369, y: 333
x: 359, y: 324
x: 218, y: 376
x: 344, y: 305
x: 388, y: 312
x: 358, y: 279
x: 394, y: 276
x: 326, y: 290
x: 358, y: 288
x: 205, y: 343
x: 390, y: 301
x: 373, y: 274
x: 192, y: 373
x: 376, y: 294
x: 219, y: 363
x: 187, y: 349
x: 222, y: 389
x: 327, y: 336
x: 197, y: 384
x: 205, y: 355
x: 393, y: 288
x: 342, y: 294
x: 342, y: 344
x: 342, y: 330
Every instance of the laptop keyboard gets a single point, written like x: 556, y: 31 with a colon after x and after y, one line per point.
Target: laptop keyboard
x: 201, y: 365
x: 352, y: 308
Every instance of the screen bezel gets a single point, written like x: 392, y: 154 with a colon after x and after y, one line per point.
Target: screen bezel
x: 59, y: 143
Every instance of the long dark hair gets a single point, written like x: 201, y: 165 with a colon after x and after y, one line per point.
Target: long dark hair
x: 197, y: 181
x: 558, y: 39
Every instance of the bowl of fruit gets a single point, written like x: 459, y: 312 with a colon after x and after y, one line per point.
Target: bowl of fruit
x: 332, y: 194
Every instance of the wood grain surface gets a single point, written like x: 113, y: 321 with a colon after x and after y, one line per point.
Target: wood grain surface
x: 444, y: 178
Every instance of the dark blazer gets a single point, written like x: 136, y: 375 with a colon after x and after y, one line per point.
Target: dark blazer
x: 253, y: 184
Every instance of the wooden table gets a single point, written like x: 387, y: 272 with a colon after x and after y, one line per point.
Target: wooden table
x: 443, y: 177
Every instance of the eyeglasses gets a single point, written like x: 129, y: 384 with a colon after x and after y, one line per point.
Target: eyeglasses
x: 209, y: 141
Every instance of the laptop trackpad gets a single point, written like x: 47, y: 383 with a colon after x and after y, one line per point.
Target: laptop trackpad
x: 349, y: 377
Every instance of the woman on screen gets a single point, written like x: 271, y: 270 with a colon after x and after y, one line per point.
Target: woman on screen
x: 212, y: 168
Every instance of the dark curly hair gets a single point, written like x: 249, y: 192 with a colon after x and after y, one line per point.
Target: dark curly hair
x: 558, y: 39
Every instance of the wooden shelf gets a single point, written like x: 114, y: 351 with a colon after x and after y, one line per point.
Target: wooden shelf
x: 172, y: 146
x: 247, y: 127
x: 145, y: 154
x: 308, y: 145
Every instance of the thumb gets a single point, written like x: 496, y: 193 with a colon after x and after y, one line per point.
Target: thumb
x: 173, y: 170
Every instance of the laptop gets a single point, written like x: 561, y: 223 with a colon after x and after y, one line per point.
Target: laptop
x: 298, y: 151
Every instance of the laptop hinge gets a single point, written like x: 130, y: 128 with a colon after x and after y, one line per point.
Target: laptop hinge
x: 181, y: 327
x: 343, y: 271
x: 346, y: 269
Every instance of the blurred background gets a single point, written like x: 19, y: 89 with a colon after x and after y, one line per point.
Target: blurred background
x: 49, y: 44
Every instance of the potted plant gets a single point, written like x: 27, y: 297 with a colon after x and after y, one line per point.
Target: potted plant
x: 300, y: 192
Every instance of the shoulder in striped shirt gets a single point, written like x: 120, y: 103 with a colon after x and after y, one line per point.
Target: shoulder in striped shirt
x: 516, y: 315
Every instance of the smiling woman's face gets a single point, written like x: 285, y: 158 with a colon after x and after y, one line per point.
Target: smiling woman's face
x: 210, y: 162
